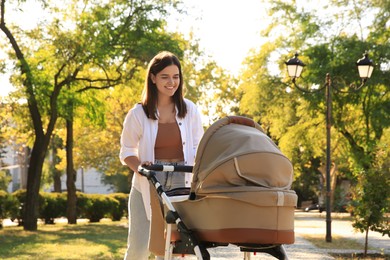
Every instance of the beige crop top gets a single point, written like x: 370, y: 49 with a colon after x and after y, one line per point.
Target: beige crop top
x: 168, y: 142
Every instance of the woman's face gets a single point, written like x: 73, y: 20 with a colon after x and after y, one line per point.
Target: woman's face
x: 167, y: 80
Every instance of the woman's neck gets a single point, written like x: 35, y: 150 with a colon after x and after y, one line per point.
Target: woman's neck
x: 164, y: 101
x: 166, y: 110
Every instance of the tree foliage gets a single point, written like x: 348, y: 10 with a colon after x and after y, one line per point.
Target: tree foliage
x: 85, y: 45
x: 98, y: 133
x: 371, y: 196
x: 329, y: 39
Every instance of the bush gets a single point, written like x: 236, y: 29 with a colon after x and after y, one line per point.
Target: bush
x: 9, y: 206
x: 96, y: 206
x: 53, y: 206
x: 81, y: 204
x: 20, y: 196
x: 3, y: 199
x: 341, y: 200
x: 120, y: 211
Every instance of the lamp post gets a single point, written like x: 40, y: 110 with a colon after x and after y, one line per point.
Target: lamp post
x: 294, y: 68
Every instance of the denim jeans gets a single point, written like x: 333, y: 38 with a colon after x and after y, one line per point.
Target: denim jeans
x: 170, y: 180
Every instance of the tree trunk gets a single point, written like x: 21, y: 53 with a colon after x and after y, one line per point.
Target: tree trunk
x: 333, y: 181
x: 56, y: 143
x: 57, y: 181
x: 366, y: 241
x: 37, y: 158
x: 70, y: 175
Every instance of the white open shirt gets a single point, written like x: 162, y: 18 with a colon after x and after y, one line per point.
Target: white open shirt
x: 139, y: 136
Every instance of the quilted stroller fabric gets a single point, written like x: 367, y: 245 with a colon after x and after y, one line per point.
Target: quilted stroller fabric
x: 241, y: 185
x: 234, y: 157
x: 240, y: 192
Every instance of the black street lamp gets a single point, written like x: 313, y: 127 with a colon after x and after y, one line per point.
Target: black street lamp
x: 294, y: 68
x: 365, y: 68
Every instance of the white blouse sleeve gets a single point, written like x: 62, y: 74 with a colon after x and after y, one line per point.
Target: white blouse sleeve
x: 131, y: 134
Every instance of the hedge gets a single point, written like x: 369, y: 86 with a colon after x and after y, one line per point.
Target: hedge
x: 53, y: 205
x: 9, y: 206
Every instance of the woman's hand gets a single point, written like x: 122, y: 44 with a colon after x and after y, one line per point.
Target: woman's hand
x: 146, y: 163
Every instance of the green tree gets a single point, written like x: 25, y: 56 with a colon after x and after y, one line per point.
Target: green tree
x: 329, y: 41
x: 98, y: 134
x: 5, y: 140
x: 4, y: 178
x: 371, y: 197
x: 98, y: 131
x: 97, y: 45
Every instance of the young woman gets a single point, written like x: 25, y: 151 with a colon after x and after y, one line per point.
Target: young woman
x: 164, y: 128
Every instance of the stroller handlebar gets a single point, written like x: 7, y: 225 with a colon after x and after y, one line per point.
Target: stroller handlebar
x: 167, y: 168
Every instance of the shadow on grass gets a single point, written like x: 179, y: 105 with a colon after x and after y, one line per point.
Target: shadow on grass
x: 81, y: 241
x: 360, y: 256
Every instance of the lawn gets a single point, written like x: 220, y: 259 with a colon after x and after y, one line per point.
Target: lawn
x: 337, y: 242
x: 344, y: 243
x: 105, y: 240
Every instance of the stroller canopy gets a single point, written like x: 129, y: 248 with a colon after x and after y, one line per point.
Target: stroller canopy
x: 235, y: 155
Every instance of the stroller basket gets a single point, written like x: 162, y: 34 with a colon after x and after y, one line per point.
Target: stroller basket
x: 240, y: 194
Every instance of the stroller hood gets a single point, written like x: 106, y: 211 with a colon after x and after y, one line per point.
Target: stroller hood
x: 235, y: 155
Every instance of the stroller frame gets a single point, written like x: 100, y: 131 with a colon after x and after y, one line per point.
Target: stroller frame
x: 189, y: 243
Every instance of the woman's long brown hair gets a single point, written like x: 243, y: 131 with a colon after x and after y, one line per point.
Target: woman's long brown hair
x: 150, y: 93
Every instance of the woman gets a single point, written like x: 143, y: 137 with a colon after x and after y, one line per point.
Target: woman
x: 164, y: 128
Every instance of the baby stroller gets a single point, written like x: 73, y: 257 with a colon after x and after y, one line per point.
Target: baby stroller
x: 240, y: 194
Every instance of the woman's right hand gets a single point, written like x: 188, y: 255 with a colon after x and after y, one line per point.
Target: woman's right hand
x: 146, y: 163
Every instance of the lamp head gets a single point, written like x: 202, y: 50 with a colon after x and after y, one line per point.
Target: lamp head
x: 294, y: 67
x: 365, y: 67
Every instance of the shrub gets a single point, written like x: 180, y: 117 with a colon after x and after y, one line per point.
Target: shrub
x: 9, y: 206
x: 53, y: 206
x: 120, y: 211
x: 20, y: 195
x: 82, y: 204
x: 3, y: 199
x: 96, y: 206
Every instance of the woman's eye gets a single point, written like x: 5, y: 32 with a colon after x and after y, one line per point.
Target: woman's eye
x: 168, y: 77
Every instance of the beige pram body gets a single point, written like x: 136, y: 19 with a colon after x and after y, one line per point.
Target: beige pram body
x: 240, y: 194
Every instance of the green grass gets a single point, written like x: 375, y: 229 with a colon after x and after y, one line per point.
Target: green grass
x: 360, y: 256
x: 344, y: 243
x: 337, y: 242
x: 105, y: 240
